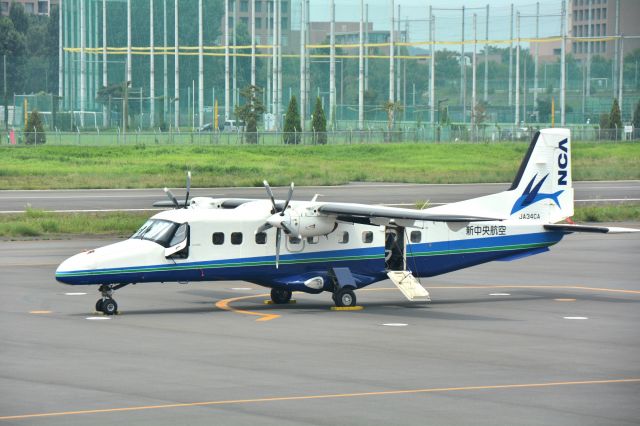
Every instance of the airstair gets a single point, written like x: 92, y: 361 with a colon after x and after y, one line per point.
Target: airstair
x: 409, y: 286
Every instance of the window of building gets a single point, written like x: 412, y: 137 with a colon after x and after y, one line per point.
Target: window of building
x: 236, y: 238
x: 343, y: 238
x: 313, y: 240
x: 556, y: 52
x: 4, y: 7
x: 285, y: 7
x: 258, y: 22
x: 367, y: 237
x: 261, y: 238
x: 244, y: 6
x: 285, y: 23
x: 43, y: 7
x: 217, y: 238
x: 415, y: 236
x: 28, y: 7
x: 604, y: 47
x: 598, y: 13
x: 604, y: 13
x: 604, y: 29
x: 244, y: 21
x: 258, y: 6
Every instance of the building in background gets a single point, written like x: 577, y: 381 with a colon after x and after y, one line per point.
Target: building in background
x: 264, y: 21
x: 35, y: 7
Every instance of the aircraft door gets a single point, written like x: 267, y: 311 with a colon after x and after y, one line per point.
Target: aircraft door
x: 394, y: 248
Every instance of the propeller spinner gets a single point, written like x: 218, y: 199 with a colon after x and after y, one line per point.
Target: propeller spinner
x: 280, y: 219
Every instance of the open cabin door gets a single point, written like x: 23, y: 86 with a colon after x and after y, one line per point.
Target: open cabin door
x: 395, y: 248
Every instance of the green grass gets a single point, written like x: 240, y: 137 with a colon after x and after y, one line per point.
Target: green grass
x: 37, y: 223
x: 144, y: 166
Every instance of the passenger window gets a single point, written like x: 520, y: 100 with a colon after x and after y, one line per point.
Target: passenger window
x: 218, y: 238
x: 313, y: 240
x: 236, y: 238
x: 367, y: 237
x: 415, y: 236
x: 343, y: 238
x: 261, y: 238
x: 294, y: 240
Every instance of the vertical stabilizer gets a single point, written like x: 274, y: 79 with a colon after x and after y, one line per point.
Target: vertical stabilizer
x: 542, y: 189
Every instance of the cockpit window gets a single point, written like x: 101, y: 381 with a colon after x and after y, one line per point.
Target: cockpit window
x: 158, y: 231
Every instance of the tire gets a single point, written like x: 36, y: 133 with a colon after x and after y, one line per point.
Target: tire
x: 280, y: 296
x: 99, y: 305
x: 345, y: 298
x: 109, y: 307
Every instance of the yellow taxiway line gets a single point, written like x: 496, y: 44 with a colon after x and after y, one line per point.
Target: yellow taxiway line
x: 324, y: 396
x: 225, y: 304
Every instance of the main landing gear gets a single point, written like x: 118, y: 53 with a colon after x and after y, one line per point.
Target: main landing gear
x: 106, y: 304
x: 280, y: 296
x: 344, y: 297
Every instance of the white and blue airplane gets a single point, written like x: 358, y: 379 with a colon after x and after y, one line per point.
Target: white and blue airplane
x: 339, y: 247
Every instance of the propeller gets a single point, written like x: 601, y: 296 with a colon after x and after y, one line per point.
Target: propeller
x: 172, y: 197
x: 279, y: 219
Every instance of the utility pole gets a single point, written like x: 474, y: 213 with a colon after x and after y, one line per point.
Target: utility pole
x: 279, y: 46
x: 616, y: 60
x: 486, y: 58
x: 253, y: 42
x: 463, y: 73
x: 105, y: 69
x: 391, y: 56
x: 226, y: 59
x: 621, y: 77
x: 64, y: 10
x: 165, y: 89
x: 473, y: 76
x: 563, y: 65
x: 517, y: 120
x: 274, y: 64
x: 128, y: 38
x: 303, y: 98
x: 152, y: 69
x: 511, y: 57
x: 176, y: 81
x: 200, y: 68
x: 366, y: 40
x: 83, y: 63
x: 589, y: 34
x: 535, y: 64
x: 234, y: 95
x: 60, y: 57
x: 361, y: 70
x: 332, y: 65
x: 432, y: 80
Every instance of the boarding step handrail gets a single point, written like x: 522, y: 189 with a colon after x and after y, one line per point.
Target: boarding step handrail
x: 409, y: 286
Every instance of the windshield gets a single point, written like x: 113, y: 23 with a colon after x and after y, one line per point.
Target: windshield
x: 158, y: 231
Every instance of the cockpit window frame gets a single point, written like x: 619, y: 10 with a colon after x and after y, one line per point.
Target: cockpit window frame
x: 164, y: 238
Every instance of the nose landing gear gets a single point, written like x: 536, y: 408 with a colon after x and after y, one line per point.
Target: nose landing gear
x: 107, y: 304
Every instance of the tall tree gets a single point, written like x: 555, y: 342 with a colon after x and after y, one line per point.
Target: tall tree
x: 319, y: 123
x: 615, y: 121
x: 251, y: 111
x: 292, y: 123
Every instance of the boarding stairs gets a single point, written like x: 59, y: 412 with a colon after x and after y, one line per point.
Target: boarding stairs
x: 409, y: 286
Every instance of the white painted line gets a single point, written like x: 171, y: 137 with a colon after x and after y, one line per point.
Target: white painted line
x: 241, y: 288
x: 576, y: 318
x: 395, y: 324
x: 500, y: 294
x: 98, y: 318
x: 75, y: 294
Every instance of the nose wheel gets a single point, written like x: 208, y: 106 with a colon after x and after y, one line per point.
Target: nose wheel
x: 344, y: 297
x: 106, y: 304
x: 280, y: 296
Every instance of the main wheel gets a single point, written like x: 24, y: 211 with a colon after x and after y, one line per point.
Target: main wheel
x: 345, y: 297
x: 99, y: 304
x: 280, y: 296
x: 109, y: 306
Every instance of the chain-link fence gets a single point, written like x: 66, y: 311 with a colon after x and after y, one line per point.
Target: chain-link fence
x: 425, y: 134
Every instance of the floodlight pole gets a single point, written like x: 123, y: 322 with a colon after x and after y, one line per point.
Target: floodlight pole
x: 486, y: 58
x: 253, y: 42
x: 200, y: 68
x: 563, y: 65
x: 332, y: 64
x: 511, y: 57
x: 391, y: 56
x: 152, y: 69
x: 226, y: 59
x: 361, y: 70
x: 463, y: 73
x: 176, y: 52
x: 60, y: 59
x: 366, y: 40
x: 303, y: 98
x: 473, y: 76
x: 589, y: 34
x: 517, y: 109
x: 105, y: 82
x: 165, y: 91
x: 535, y: 64
x: 83, y: 63
x: 432, y: 82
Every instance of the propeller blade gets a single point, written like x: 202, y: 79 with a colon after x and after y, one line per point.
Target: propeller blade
x: 286, y: 204
x: 171, y: 197
x: 263, y: 228
x: 186, y: 200
x: 268, y: 188
x: 278, y: 238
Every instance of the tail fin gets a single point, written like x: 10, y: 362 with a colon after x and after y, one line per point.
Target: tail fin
x: 542, y: 189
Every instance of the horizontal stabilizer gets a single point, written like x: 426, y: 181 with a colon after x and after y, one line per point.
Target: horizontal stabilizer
x: 566, y: 227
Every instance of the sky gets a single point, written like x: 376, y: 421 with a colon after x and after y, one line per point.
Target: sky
x: 448, y: 22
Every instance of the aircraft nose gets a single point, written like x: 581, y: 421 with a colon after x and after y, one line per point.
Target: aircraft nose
x: 67, y: 272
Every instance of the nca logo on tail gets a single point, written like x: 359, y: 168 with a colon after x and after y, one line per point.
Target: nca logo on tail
x: 563, y: 162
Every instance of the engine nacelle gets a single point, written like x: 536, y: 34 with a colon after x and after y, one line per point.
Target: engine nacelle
x: 313, y: 225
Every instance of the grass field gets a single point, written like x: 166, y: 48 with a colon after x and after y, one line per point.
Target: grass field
x: 40, y: 224
x: 143, y: 166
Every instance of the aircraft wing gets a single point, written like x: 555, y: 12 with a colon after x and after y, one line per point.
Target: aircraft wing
x: 566, y: 227
x: 362, y: 213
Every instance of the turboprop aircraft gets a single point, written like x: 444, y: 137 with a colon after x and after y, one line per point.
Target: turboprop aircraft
x: 313, y: 246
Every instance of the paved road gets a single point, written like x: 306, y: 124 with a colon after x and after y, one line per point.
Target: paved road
x: 12, y: 201
x: 172, y: 349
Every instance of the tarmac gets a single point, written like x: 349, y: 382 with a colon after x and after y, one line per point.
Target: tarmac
x: 553, y: 339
